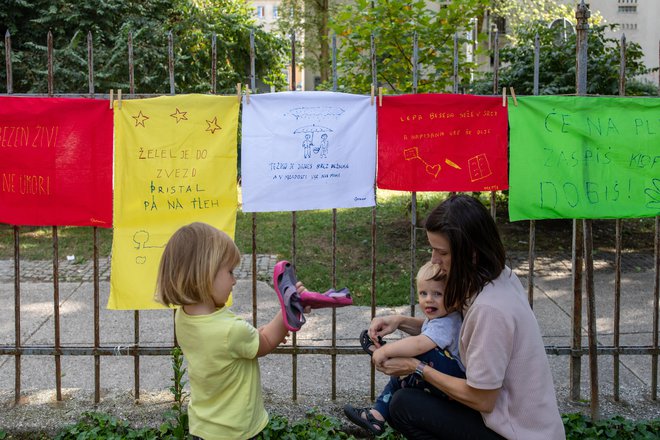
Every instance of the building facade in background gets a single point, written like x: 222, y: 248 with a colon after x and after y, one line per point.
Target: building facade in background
x: 638, y: 20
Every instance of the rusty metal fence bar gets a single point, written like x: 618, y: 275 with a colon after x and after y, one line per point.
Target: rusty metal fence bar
x: 656, y: 307
x: 112, y: 350
x: 581, y: 260
x: 618, y: 238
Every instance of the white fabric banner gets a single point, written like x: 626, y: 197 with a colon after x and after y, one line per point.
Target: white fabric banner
x: 308, y: 150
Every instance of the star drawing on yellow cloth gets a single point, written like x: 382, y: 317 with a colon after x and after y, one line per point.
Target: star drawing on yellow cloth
x: 139, y: 119
x: 213, y: 125
x: 179, y: 116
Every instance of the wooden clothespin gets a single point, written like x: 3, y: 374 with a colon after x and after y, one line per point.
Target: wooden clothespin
x: 380, y: 96
x: 247, y: 95
x: 111, y: 91
x: 238, y: 91
x: 372, y: 94
x: 119, y: 98
x: 513, y: 95
x: 503, y: 96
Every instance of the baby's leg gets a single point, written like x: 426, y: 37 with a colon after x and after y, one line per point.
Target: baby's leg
x: 382, y: 404
x: 440, y: 360
x: 443, y: 361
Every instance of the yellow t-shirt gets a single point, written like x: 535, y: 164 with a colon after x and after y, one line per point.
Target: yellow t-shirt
x: 225, y: 382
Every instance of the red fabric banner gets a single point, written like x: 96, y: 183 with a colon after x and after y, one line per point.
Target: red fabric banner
x: 442, y: 142
x: 56, y: 166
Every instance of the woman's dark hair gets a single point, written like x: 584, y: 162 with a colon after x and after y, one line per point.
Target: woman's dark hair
x: 477, y: 252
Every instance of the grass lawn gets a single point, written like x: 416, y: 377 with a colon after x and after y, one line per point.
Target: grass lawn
x: 354, y: 241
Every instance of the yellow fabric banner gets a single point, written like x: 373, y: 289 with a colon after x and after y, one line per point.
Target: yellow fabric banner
x: 175, y: 163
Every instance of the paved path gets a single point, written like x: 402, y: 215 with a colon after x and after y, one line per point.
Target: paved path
x: 313, y: 373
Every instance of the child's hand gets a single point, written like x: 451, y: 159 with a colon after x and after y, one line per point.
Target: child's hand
x: 381, y: 326
x: 378, y: 357
x: 300, y: 287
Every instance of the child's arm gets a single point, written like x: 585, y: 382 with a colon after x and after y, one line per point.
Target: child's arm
x: 406, y: 347
x: 271, y: 335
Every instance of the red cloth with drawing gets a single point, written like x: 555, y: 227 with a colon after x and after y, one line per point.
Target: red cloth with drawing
x: 56, y: 166
x: 442, y: 142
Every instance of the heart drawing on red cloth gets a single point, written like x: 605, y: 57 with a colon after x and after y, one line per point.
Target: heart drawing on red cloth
x: 434, y: 170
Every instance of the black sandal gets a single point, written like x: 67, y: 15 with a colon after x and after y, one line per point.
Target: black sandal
x: 367, y: 343
x: 368, y: 422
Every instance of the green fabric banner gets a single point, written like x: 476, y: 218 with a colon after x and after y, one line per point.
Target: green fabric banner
x: 584, y: 157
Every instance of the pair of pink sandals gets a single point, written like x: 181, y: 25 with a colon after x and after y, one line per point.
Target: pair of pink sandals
x: 293, y: 303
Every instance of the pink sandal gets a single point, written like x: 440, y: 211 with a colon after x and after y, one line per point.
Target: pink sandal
x: 284, y: 281
x: 331, y: 298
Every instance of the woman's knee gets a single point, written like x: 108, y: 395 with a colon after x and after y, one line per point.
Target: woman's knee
x: 404, y: 403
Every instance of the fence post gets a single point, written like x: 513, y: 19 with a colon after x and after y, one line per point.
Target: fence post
x: 136, y: 313
x: 214, y: 62
x: 618, y: 225
x: 532, y: 223
x: 455, y: 64
x: 293, y: 61
x: 334, y: 246
x: 496, y: 63
x: 170, y: 60
x: 17, y: 259
x: 10, y: 84
x: 95, y: 248
x: 656, y: 305
x: 374, y: 86
x: 413, y: 195
x: 496, y: 86
x: 582, y: 15
x: 656, y: 296
x: 56, y: 281
x: 253, y: 79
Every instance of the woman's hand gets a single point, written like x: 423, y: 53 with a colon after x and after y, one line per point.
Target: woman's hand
x: 381, y: 326
x: 396, y: 366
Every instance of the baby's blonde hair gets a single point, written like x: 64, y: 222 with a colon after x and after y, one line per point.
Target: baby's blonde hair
x: 428, y: 272
x: 190, y: 262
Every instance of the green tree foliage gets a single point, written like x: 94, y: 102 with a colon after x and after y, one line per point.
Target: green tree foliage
x: 522, y: 16
x: 557, y: 64
x: 149, y: 23
x: 309, y: 20
x: 393, y: 23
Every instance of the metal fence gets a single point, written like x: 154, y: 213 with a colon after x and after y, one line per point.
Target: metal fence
x: 582, y: 265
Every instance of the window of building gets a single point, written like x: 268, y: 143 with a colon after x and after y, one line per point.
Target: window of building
x: 260, y: 11
x: 628, y: 9
x: 499, y: 23
x: 275, y: 11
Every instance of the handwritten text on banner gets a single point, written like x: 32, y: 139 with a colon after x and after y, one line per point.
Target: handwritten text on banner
x: 442, y: 142
x: 584, y: 157
x: 55, y: 161
x: 308, y: 150
x: 175, y: 164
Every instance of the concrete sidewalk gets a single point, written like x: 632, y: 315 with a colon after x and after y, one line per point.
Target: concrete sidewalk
x: 552, y: 305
